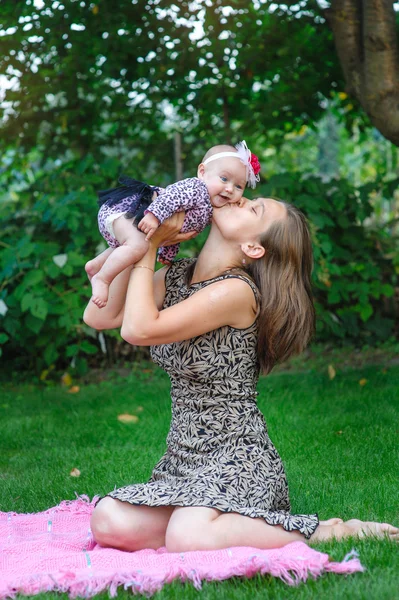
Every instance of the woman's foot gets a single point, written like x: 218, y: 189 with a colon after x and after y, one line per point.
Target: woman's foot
x: 99, y: 291
x: 333, y: 521
x: 338, y: 529
x: 362, y: 529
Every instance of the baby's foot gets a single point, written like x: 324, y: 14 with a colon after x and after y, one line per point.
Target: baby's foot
x: 100, y: 291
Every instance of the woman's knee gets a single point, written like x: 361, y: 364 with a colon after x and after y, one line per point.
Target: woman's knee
x: 105, y: 521
x: 129, y: 527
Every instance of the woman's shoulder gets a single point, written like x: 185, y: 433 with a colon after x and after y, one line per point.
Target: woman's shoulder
x: 243, y: 276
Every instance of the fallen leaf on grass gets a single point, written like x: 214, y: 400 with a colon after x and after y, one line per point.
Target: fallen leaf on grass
x: 74, y: 389
x: 331, y: 372
x: 75, y: 473
x: 66, y: 379
x: 126, y: 418
x: 362, y: 382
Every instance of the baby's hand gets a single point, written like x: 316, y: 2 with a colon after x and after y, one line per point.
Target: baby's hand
x: 148, y: 225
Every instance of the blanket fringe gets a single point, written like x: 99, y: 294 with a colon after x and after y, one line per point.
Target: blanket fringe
x: 81, y: 506
x: 293, y: 572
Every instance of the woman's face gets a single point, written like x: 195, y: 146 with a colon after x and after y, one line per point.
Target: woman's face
x: 248, y: 220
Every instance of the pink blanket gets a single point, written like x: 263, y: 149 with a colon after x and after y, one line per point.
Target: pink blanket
x: 54, y: 551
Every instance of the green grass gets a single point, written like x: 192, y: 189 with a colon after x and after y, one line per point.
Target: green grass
x: 339, y: 442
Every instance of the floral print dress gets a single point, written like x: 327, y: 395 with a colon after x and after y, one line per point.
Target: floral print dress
x: 219, y: 454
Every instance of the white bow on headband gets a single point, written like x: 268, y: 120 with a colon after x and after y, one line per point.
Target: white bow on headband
x: 244, y: 154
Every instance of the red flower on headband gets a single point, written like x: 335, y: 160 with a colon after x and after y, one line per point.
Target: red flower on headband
x: 255, y: 163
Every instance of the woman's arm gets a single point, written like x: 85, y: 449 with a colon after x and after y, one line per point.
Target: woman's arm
x: 226, y: 302
x: 109, y: 317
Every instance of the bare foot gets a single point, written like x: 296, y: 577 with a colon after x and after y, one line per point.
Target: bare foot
x: 362, y: 529
x: 338, y: 529
x: 100, y: 291
x: 333, y: 521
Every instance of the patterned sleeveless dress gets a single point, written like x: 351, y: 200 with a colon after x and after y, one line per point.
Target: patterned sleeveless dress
x: 219, y: 454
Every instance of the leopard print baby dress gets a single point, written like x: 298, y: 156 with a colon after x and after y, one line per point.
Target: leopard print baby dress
x: 218, y: 453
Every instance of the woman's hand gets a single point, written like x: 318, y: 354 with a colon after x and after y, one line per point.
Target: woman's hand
x: 169, y: 232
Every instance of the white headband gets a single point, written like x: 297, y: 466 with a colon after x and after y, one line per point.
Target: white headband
x: 244, y: 155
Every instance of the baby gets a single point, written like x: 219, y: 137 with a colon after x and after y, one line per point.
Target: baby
x: 221, y: 178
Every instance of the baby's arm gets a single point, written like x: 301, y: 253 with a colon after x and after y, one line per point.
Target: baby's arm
x: 148, y: 225
x: 178, y: 197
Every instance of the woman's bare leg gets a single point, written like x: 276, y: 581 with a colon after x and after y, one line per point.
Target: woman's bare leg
x: 93, y: 266
x: 200, y: 528
x: 121, y: 525
x: 133, y: 247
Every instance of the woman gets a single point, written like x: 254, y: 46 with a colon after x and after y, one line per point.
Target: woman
x: 244, y: 303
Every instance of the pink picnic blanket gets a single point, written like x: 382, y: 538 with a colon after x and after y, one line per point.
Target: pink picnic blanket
x: 55, y: 551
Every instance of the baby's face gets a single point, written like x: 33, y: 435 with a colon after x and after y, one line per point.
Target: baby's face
x: 225, y: 179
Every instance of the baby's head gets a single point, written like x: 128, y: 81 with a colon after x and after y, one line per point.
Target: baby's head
x: 226, y: 170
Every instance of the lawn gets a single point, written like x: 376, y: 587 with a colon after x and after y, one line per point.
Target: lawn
x: 339, y: 440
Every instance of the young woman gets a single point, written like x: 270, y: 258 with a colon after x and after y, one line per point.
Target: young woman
x: 244, y: 304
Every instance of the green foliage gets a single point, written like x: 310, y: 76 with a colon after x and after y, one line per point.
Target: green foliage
x: 100, y: 88
x: 49, y: 232
x: 356, y: 266
x: 96, y: 74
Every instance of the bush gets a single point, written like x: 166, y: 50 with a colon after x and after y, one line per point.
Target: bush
x: 47, y: 237
x: 356, y: 265
x: 49, y: 232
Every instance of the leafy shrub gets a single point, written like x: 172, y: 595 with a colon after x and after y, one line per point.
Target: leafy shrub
x: 47, y: 237
x: 356, y: 265
x: 49, y: 231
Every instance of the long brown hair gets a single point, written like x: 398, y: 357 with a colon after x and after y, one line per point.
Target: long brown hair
x: 287, y: 314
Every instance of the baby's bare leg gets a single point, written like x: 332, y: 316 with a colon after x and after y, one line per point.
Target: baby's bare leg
x: 93, y: 266
x: 133, y: 247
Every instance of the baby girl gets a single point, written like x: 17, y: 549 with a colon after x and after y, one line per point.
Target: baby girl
x: 221, y: 178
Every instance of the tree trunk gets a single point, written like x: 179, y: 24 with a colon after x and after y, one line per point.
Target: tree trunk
x: 366, y: 42
x: 178, y: 157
